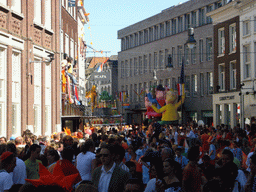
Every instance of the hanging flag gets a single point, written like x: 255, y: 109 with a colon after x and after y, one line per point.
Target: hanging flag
x: 180, y: 85
x: 100, y: 68
x: 120, y: 96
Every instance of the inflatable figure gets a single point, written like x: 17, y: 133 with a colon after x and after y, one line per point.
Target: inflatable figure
x: 170, y: 114
x: 150, y: 111
x: 93, y: 95
x: 160, y: 96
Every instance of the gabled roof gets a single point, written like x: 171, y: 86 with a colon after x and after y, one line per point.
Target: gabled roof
x: 95, y: 60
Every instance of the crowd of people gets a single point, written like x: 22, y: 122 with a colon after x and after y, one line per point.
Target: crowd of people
x: 153, y: 157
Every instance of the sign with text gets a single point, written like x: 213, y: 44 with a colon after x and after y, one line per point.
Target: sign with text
x: 71, y: 3
x: 102, y: 76
x: 227, y: 98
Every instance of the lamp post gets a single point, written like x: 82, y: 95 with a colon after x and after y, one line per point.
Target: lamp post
x: 190, y: 43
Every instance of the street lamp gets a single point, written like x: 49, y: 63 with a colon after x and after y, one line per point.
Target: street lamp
x: 191, y: 42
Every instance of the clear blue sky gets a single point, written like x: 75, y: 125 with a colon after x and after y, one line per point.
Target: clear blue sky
x: 108, y: 16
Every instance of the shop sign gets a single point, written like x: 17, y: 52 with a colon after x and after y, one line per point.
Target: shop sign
x: 227, y: 98
x: 207, y: 114
x: 71, y: 3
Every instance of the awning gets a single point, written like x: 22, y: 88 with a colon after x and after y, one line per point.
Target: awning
x: 250, y: 111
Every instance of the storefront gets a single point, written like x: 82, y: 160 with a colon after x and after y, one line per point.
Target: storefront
x: 207, y: 117
x: 249, y: 108
x: 226, y: 109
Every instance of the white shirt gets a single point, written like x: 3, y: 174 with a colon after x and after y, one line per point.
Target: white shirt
x: 248, y: 161
x: 5, y: 181
x: 124, y: 167
x: 19, y: 173
x: 191, y: 135
x: 151, y: 186
x: 105, y: 178
x: 176, y: 138
x: 84, y: 164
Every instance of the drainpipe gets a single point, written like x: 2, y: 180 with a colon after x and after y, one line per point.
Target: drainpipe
x: 60, y: 73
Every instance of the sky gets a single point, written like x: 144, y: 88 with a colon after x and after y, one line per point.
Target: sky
x: 108, y: 16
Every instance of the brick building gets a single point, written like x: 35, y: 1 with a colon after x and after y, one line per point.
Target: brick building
x: 29, y: 88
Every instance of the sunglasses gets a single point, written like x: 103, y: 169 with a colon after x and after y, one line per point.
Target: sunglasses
x: 103, y: 155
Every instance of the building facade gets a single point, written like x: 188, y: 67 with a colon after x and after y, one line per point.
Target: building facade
x: 234, y: 63
x: 247, y: 10
x: 29, y: 85
x: 73, y: 19
x: 145, y: 47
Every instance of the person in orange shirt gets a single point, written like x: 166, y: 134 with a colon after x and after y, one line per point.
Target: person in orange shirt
x: 204, y: 140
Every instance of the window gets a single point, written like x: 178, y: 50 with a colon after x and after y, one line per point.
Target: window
x: 232, y: 38
x: 135, y: 66
x: 174, y: 26
x: 16, y: 77
x: 151, y: 34
x: 156, y: 32
x: 246, y: 28
x: 193, y: 55
x: 127, y: 42
x: 122, y: 44
x: 201, y: 51
x: 131, y: 93
x: 131, y: 74
x: 136, y: 93
x: 208, y: 49
x: 247, y: 62
x: 209, y: 83
x: 179, y: 54
x: 145, y: 61
x: 145, y: 36
x: 48, y: 14
x: 37, y: 11
x: 187, y: 21
x: 161, y: 30
x: 187, y: 86
x: 174, y: 84
x: 194, y: 85
x: 136, y: 39
x: 131, y: 41
x: 150, y: 63
x: 201, y: 17
x: 209, y: 9
x: 161, y: 60
x: 140, y: 38
x: 202, y: 84
x: 122, y: 69
x: 168, y: 28
x: 221, y: 42
x: 3, y: 2
x: 3, y: 68
x: 72, y: 48
x: 140, y: 91
x: 126, y: 68
x: 254, y: 24
x: 232, y: 75
x: 16, y: 5
x: 180, y: 24
x: 155, y: 60
x: 193, y: 19
x: 16, y: 92
x: 66, y: 44
x: 222, y: 77
x: 186, y: 52
x: 48, y: 99
x: 173, y: 56
x: 140, y: 65
x: 166, y: 53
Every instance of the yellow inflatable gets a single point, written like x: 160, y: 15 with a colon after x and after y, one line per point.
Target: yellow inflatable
x: 169, y: 112
x: 93, y: 95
